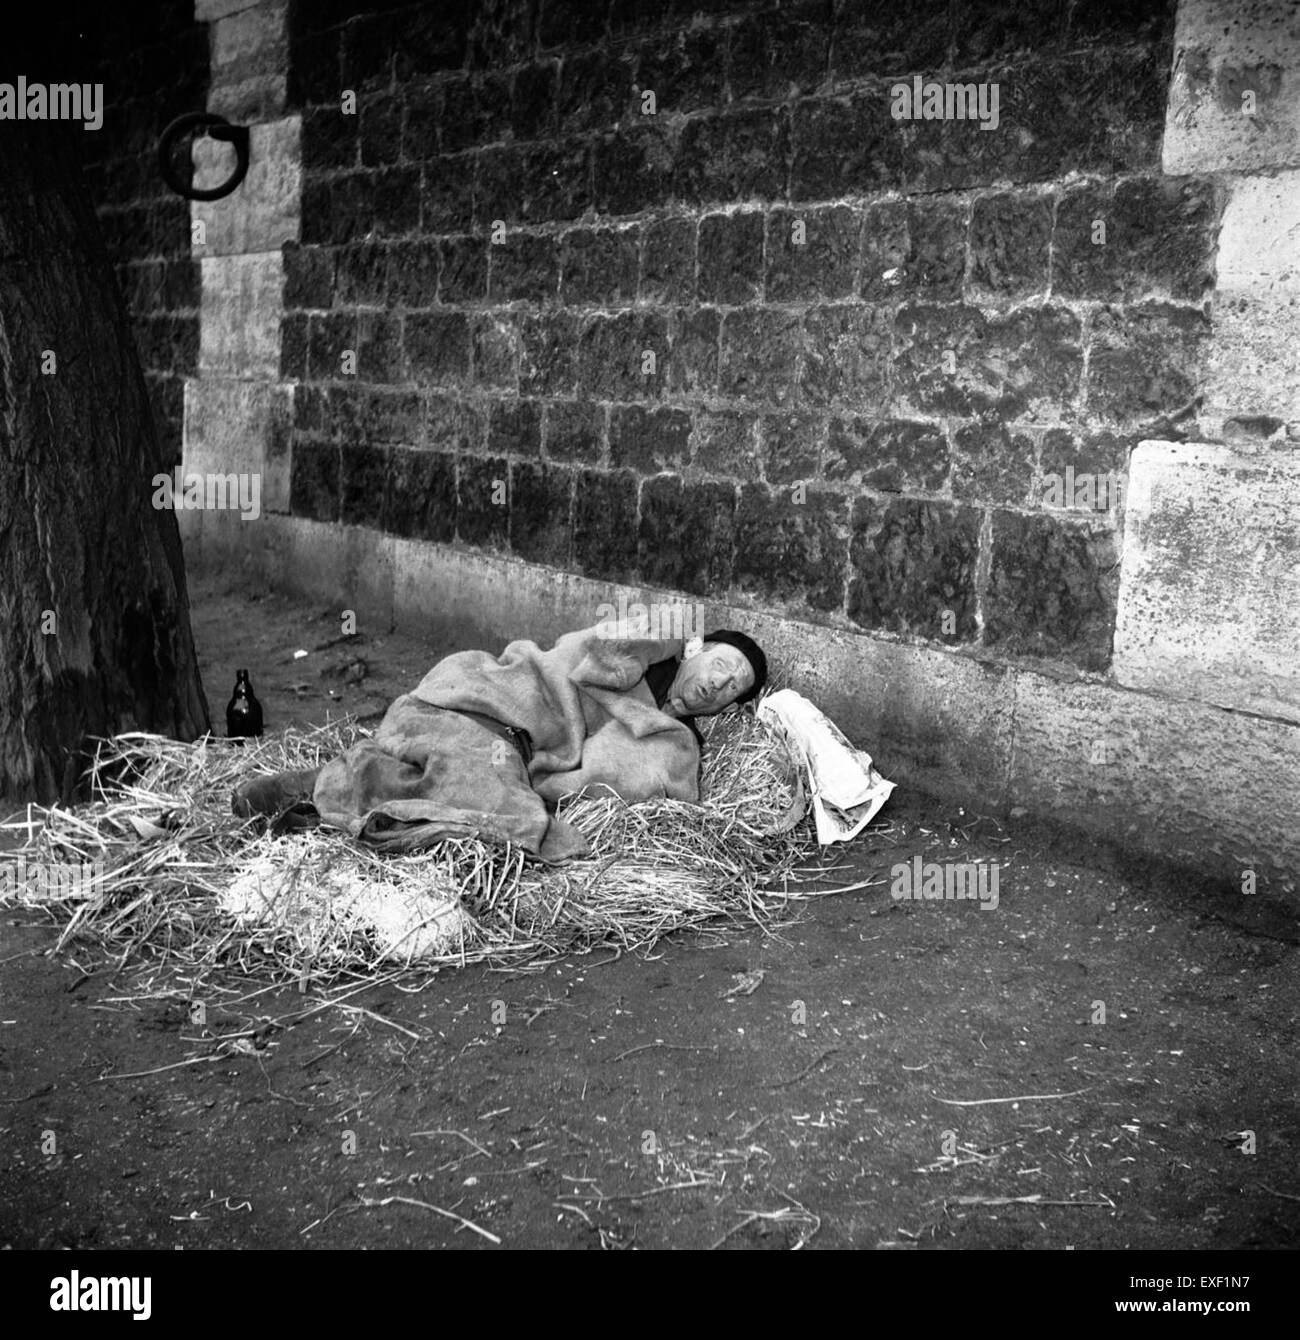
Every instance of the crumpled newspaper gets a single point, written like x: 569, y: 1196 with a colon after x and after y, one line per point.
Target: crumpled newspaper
x: 847, y: 791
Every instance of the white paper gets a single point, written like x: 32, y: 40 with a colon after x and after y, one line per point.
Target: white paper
x: 847, y: 791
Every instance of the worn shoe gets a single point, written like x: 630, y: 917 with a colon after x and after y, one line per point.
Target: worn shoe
x: 273, y: 795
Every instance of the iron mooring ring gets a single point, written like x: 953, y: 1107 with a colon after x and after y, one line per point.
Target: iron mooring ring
x: 219, y: 129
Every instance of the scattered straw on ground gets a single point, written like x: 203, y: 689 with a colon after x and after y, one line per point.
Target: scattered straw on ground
x: 187, y: 883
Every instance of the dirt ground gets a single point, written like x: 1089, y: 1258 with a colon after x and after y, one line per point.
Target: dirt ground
x: 949, y: 1081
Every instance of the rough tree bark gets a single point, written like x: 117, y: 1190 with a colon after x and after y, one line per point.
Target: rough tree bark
x: 82, y: 550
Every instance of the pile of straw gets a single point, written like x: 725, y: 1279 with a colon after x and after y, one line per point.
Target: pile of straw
x: 187, y: 882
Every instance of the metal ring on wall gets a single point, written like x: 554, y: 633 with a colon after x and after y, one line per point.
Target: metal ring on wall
x: 219, y: 129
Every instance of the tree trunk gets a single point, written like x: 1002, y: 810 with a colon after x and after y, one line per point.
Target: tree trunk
x: 94, y: 615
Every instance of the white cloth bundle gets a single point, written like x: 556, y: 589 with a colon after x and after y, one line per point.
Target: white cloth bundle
x: 847, y: 791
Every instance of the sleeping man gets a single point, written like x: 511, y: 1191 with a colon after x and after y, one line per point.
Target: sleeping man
x: 486, y: 745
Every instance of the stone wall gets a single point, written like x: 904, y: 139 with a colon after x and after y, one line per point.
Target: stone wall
x: 644, y: 297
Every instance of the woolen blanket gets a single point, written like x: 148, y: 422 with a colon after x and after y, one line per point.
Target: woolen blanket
x: 430, y: 773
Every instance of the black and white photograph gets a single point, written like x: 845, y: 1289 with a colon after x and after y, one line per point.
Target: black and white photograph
x: 661, y: 625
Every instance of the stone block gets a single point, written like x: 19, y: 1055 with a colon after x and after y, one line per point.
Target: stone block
x: 847, y: 358
x: 648, y: 440
x: 890, y: 455
x: 913, y: 568
x: 483, y: 501
x: 687, y: 534
x: 1052, y: 589
x: 574, y: 431
x: 1210, y: 581
x: 760, y: 355
x: 605, y: 524
x: 240, y: 323
x: 812, y: 255
x: 421, y: 495
x: 731, y: 258
x: 264, y: 212
x: 598, y: 267
x: 792, y: 551
x: 541, y: 498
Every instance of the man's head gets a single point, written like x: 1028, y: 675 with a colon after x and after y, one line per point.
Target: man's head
x: 729, y: 668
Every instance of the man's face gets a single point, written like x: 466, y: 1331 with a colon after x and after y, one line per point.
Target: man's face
x: 710, y: 681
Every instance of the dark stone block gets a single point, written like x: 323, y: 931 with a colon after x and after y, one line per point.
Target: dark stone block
x: 496, y: 345
x: 345, y: 414
x: 649, y: 440
x: 483, y: 502
x: 541, y: 498
x: 379, y: 347
x: 524, y: 268
x: 555, y: 181
x: 598, y: 267
x: 437, y: 347
x: 498, y: 186
x: 693, y: 357
x: 396, y: 201
x: 1144, y: 362
x: 668, y: 261
x: 364, y: 485
x: 314, y: 481
x: 308, y: 276
x: 532, y: 101
x: 779, y: 55
x: 734, y: 156
x: 847, y: 358
x: 612, y: 354
x: 760, y: 355
x: 447, y: 195
x: 726, y: 443
x: 463, y: 270
x: 842, y: 146
x: 501, y: 33
x: 329, y: 138
x: 791, y: 446
x: 1052, y: 590
x: 317, y: 224
x: 936, y: 256
x: 548, y: 345
x: 455, y: 425
x: 913, y: 568
x: 887, y: 37
x: 293, y: 347
x: 605, y: 525
x: 327, y: 338
x: 683, y: 69
x: 1010, y: 239
x: 421, y: 136
x: 731, y: 258
x: 634, y: 170
x: 687, y: 533
x: 951, y: 360
x: 789, y: 550
x: 412, y: 278
x: 361, y: 275
x: 421, y: 495
x: 1152, y: 236
x: 993, y: 464
x: 393, y: 416
x: 515, y: 428
x: 309, y: 409
x: 594, y: 91
x: 352, y: 206
x: 574, y: 431
x: 462, y: 122
x: 1007, y: 29
x: 380, y: 130
x: 812, y: 254
x: 432, y: 38
x: 368, y: 45
x: 568, y: 23
x: 893, y: 456
x: 313, y: 75
x: 886, y: 247
x: 492, y: 92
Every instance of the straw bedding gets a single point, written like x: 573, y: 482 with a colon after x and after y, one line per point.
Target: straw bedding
x: 186, y: 882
